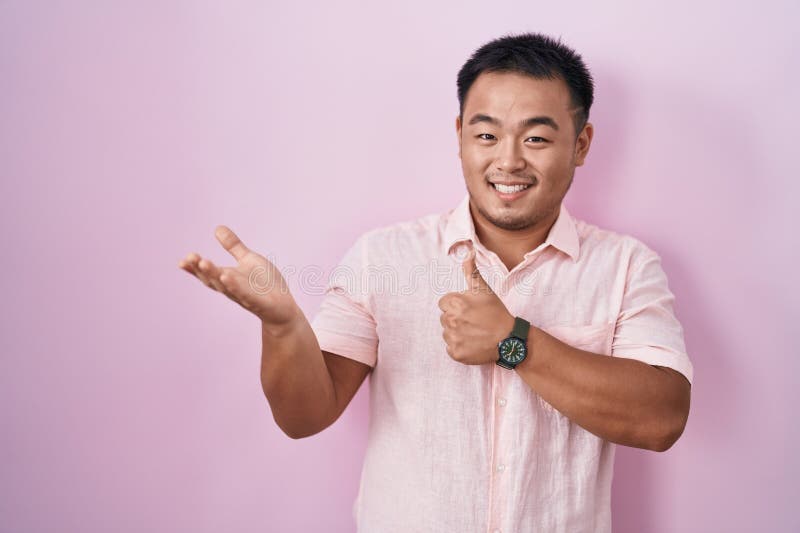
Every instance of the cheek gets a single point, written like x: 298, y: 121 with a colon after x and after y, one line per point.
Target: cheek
x: 474, y: 161
x: 554, y: 165
x: 472, y: 169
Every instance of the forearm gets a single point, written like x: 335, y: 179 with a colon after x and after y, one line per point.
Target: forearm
x: 621, y: 400
x: 295, y: 378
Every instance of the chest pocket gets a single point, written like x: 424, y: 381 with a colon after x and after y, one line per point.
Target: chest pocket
x: 592, y: 338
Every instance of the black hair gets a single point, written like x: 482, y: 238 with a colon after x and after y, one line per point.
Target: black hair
x: 536, y: 55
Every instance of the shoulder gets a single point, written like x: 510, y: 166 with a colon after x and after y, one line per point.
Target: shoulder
x: 404, y: 237
x: 603, y: 244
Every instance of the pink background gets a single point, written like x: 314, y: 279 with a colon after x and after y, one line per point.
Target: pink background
x: 129, y: 393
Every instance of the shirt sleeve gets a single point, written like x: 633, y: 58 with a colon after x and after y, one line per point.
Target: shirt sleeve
x: 343, y: 323
x: 647, y: 328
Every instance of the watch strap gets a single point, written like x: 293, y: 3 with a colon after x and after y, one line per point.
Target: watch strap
x: 521, y: 328
x: 502, y: 363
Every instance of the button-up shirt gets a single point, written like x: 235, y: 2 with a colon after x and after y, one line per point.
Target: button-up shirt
x: 473, y: 448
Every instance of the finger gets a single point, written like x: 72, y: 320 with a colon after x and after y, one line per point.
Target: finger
x: 452, y: 302
x: 474, y: 279
x: 230, y: 279
x: 235, y: 285
x: 228, y: 239
x: 188, y: 263
x: 194, y: 260
x: 183, y: 264
x: 448, y: 347
x: 213, y: 279
x: 447, y: 321
x: 211, y: 272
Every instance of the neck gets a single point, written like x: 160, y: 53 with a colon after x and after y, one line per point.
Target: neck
x: 511, y: 245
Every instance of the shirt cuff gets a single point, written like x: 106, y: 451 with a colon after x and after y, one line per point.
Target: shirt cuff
x: 356, y: 348
x: 658, y: 356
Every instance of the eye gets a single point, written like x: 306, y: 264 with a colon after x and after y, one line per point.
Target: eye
x: 481, y: 136
x: 538, y: 139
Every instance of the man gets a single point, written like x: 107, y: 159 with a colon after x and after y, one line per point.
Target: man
x: 499, y: 390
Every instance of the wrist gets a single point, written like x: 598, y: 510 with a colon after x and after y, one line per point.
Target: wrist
x: 506, y: 325
x: 285, y: 328
x: 513, y: 349
x: 529, y: 343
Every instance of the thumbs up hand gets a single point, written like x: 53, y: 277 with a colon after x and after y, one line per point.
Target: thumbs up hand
x: 474, y: 320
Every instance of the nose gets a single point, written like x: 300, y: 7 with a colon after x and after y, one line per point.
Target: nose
x: 509, y: 156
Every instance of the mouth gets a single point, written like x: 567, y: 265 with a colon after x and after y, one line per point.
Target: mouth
x: 510, y: 191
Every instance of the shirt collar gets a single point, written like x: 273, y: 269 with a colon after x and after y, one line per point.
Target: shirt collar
x: 460, y: 227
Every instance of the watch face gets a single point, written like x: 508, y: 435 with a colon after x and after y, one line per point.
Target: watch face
x: 512, y: 349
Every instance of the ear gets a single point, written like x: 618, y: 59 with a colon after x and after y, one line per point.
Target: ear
x: 458, y: 134
x: 582, y: 143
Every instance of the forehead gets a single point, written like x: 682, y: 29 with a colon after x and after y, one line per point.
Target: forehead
x: 511, y: 94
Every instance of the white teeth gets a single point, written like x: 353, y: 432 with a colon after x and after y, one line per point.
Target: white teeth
x: 509, y: 188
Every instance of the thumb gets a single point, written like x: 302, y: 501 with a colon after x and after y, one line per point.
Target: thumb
x: 228, y: 239
x: 474, y: 279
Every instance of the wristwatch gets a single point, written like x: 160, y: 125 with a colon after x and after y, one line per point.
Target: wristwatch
x: 513, y: 349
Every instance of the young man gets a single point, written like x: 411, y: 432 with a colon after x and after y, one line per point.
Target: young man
x: 500, y: 388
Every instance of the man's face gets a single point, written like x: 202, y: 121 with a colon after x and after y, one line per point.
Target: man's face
x: 499, y: 144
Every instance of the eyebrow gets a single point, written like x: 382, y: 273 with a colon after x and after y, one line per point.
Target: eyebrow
x: 527, y: 123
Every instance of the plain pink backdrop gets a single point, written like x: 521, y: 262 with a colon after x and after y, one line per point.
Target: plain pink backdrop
x: 129, y: 393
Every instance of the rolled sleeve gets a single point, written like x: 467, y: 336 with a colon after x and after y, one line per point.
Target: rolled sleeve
x: 647, y: 328
x: 343, y: 324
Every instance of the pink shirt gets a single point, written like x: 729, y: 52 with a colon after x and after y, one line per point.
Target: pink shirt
x: 472, y: 448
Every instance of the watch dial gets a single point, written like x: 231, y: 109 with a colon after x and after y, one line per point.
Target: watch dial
x: 512, y: 350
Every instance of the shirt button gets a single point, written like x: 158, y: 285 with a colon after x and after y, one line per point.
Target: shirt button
x: 500, y: 468
x: 501, y: 401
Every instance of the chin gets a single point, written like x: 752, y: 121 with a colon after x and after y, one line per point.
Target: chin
x: 511, y: 223
x: 509, y: 218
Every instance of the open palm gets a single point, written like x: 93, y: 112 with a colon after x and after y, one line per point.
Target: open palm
x: 254, y: 282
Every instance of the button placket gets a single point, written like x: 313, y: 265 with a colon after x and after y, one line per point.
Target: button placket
x: 500, y: 418
x: 499, y: 466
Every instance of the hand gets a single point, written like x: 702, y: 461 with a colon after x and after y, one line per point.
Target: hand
x: 254, y: 283
x: 474, y: 320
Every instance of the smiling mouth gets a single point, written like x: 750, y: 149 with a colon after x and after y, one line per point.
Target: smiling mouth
x: 510, y: 192
x: 509, y: 189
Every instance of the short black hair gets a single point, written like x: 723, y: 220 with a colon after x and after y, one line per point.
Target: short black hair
x: 536, y: 55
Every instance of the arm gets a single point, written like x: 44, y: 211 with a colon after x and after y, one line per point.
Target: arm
x: 618, y: 399
x: 295, y: 378
x: 307, y: 389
